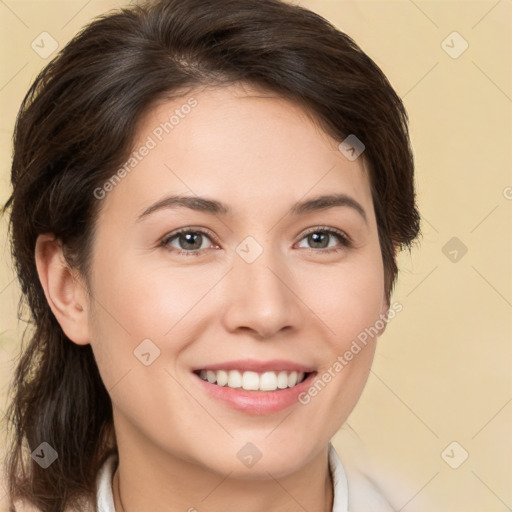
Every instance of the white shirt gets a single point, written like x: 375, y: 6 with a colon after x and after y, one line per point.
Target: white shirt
x: 348, y: 496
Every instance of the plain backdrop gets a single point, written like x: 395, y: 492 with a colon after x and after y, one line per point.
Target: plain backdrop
x: 440, y: 389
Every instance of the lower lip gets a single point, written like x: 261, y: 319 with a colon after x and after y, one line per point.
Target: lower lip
x: 257, y: 402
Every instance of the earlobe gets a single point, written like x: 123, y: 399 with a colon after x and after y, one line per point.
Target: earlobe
x: 65, y: 294
x: 383, y: 318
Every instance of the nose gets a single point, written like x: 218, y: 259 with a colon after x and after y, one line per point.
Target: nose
x: 261, y: 297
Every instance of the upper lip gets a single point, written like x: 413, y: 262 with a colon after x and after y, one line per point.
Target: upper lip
x: 258, y: 366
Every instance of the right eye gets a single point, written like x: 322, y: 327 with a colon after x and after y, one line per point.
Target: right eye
x: 190, y: 241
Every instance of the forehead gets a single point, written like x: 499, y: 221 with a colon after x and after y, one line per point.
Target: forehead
x: 247, y: 146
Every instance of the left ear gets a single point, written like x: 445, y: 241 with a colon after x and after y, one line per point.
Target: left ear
x: 383, y: 315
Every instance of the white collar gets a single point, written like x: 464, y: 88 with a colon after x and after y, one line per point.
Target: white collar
x: 105, y: 499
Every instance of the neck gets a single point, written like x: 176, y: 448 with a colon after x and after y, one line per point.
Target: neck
x: 309, y: 489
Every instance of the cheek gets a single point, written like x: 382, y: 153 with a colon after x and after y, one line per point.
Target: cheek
x: 141, y: 300
x: 349, y: 303
x: 349, y: 298
x: 133, y: 302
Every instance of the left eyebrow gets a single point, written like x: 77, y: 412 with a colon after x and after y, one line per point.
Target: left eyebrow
x: 328, y: 201
x: 215, y: 207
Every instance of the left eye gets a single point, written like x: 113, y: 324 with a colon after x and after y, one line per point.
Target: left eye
x: 319, y: 236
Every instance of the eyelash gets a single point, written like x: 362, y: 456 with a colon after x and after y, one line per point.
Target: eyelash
x: 342, y: 237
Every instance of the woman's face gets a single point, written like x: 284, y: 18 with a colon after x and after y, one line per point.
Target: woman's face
x: 257, y: 285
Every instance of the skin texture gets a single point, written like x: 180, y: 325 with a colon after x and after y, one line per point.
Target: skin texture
x: 178, y: 446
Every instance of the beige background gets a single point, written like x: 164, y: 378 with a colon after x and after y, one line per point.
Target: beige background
x: 442, y: 372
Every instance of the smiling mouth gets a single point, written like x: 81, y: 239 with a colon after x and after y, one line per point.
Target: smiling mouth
x: 253, y: 381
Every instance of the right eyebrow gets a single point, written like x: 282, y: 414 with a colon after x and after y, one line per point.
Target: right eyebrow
x: 197, y: 203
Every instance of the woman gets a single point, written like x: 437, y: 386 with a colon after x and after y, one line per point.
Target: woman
x: 257, y: 138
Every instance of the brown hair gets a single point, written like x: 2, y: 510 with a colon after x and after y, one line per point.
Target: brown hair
x: 75, y: 128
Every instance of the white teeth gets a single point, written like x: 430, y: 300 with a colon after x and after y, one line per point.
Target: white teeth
x: 268, y: 381
x: 292, y: 379
x: 253, y: 381
x: 282, y: 380
x: 250, y: 381
x: 222, y: 378
x: 234, y: 379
